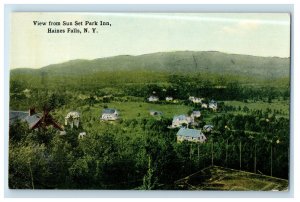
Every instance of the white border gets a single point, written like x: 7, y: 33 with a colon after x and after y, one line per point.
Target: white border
x: 136, y: 8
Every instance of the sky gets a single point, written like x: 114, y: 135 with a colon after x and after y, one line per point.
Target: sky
x: 259, y: 34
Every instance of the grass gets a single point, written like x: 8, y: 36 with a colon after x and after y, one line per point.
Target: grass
x: 132, y: 110
x: 90, y: 115
x: 140, y: 110
x: 259, y: 105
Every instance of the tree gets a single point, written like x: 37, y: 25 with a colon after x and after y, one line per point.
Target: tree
x: 149, y: 180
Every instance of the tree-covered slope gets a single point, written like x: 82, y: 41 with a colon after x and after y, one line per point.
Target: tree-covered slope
x: 175, y: 62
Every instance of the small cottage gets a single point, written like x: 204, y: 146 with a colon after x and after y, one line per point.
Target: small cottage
x: 204, y: 105
x: 81, y: 135
x: 196, y: 114
x: 178, y: 121
x: 195, y: 100
x: 109, y: 114
x: 72, y: 118
x: 168, y: 99
x: 153, y: 98
x: 213, y: 105
x: 208, y: 128
x: 191, y: 135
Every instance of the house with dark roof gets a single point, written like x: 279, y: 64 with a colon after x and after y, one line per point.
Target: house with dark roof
x: 35, y: 120
x: 213, y: 105
x: 208, y: 128
x: 191, y: 135
x: 109, y: 114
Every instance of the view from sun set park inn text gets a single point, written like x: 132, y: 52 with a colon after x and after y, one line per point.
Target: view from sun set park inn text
x: 150, y: 101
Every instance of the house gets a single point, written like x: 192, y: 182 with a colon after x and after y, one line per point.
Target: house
x: 153, y: 98
x: 178, y: 121
x: 191, y: 135
x: 196, y: 114
x: 213, y: 105
x: 72, y: 118
x: 204, y: 105
x: 81, y: 135
x: 169, y: 99
x: 109, y: 114
x: 34, y: 120
x: 155, y: 113
x: 208, y: 128
x: 195, y: 100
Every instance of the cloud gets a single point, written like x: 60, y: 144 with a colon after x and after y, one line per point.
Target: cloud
x: 241, y: 27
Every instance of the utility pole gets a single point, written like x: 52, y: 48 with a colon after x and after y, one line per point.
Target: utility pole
x: 271, y: 158
x: 226, y: 153
x: 198, y: 154
x: 212, y: 153
x: 240, y: 154
x: 32, y: 184
x: 255, y: 158
x: 190, y: 151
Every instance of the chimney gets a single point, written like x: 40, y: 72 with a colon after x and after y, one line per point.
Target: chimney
x: 31, y: 111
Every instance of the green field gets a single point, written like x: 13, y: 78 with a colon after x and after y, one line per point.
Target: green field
x: 140, y: 110
x: 132, y: 110
x: 283, y: 106
x: 90, y: 115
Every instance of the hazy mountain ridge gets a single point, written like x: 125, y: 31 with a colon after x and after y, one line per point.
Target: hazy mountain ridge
x: 175, y: 62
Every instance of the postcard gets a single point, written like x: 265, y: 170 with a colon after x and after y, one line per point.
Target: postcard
x: 149, y: 101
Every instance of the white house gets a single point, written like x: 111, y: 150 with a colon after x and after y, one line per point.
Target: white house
x: 178, y: 121
x: 72, y: 118
x: 208, y: 128
x: 196, y: 114
x: 191, y: 135
x: 169, y: 99
x: 153, y: 98
x: 213, y: 105
x: 204, y: 105
x: 195, y: 99
x: 81, y: 135
x: 109, y: 114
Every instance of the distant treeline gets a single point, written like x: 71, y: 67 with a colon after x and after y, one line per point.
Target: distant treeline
x: 143, y: 84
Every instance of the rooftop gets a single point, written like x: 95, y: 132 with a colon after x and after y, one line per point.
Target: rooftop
x: 189, y: 132
x: 17, y: 115
x: 32, y: 120
x: 180, y: 117
x: 108, y: 111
